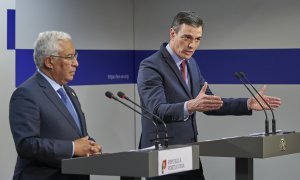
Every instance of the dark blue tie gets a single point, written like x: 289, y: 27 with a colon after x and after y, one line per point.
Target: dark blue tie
x: 69, y: 106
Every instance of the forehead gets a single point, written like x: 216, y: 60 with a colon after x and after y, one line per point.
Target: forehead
x: 188, y: 29
x: 66, y: 45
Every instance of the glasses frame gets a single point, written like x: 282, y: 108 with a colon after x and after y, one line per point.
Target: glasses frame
x: 70, y: 58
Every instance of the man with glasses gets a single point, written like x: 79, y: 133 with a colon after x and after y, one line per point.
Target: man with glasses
x: 45, y: 115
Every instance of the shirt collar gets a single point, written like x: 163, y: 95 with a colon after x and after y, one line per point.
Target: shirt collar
x: 174, y: 55
x: 54, y: 84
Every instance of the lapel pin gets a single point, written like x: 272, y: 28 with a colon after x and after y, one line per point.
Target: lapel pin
x: 73, y: 93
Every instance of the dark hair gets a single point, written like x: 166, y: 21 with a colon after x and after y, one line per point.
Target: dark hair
x: 186, y: 17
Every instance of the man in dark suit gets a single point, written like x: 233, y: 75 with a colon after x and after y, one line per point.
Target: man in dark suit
x: 171, y: 86
x: 45, y: 115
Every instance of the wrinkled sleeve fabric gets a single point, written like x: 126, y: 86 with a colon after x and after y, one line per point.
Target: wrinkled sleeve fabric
x: 153, y: 95
x: 24, y: 116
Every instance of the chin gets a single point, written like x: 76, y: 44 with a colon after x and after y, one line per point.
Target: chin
x: 68, y: 79
x: 187, y: 57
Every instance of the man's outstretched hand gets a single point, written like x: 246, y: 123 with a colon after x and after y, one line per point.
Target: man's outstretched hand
x: 274, y: 102
x: 204, y: 102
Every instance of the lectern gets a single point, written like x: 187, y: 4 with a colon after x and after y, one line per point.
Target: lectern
x: 246, y: 148
x: 132, y: 165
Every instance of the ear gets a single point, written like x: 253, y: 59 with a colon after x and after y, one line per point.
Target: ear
x: 48, y: 62
x: 172, y: 33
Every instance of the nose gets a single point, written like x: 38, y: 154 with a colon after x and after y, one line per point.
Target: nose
x: 191, y: 45
x: 75, y: 62
x: 194, y: 44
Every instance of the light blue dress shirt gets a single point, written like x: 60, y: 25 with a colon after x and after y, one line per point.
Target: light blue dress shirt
x: 178, y: 62
x: 56, y: 86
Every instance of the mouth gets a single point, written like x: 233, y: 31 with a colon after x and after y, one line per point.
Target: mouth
x: 73, y: 72
x: 189, y: 52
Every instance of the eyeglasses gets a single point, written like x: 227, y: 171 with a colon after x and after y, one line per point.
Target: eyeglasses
x: 70, y: 57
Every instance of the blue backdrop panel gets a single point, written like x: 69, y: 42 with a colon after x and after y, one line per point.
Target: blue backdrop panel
x: 95, y: 67
x: 11, y: 30
x: 263, y: 66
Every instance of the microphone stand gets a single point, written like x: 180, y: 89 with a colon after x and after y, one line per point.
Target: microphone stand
x: 166, y: 138
x: 237, y: 75
x: 156, y: 140
x: 243, y: 75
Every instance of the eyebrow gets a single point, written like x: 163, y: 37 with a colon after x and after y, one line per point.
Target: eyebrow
x: 190, y: 36
x: 71, y: 54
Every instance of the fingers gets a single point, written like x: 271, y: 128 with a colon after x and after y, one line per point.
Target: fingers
x: 272, y: 98
x: 86, y: 147
x: 205, y: 103
x: 263, y: 90
x: 95, y: 148
x: 211, y: 98
x: 203, y: 89
x: 204, y: 96
x: 92, y: 143
x: 274, y: 102
x: 212, y: 103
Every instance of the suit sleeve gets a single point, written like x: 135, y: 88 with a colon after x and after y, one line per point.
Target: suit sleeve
x: 231, y: 106
x: 24, y: 116
x: 152, y: 93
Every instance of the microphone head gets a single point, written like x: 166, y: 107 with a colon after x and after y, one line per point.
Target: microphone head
x: 109, y: 94
x: 242, y: 74
x: 237, y: 75
x: 121, y: 95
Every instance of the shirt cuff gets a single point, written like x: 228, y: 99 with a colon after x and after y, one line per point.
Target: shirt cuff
x: 248, y: 104
x: 186, y: 113
x: 72, y: 148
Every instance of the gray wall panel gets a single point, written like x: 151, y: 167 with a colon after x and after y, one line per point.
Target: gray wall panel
x: 230, y: 24
x: 93, y: 24
x: 144, y: 24
x: 7, y: 81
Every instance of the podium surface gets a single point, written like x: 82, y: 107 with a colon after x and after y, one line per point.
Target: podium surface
x: 127, y: 165
x: 252, y: 146
x: 144, y: 163
x: 246, y: 148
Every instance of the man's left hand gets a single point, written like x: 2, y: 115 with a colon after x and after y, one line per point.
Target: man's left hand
x: 274, y: 102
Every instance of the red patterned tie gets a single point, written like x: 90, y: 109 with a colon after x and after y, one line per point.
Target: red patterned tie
x: 183, y: 71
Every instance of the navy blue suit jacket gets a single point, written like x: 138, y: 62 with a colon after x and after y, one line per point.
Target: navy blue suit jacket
x: 43, y: 129
x: 163, y: 92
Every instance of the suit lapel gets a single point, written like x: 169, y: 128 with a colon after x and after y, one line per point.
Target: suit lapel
x: 76, y: 104
x: 54, y: 98
x: 175, y: 69
x: 193, y: 76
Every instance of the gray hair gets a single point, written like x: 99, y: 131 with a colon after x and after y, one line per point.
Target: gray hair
x: 47, y: 44
x: 186, y: 17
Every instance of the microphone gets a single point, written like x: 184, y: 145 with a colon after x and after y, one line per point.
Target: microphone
x: 166, y: 139
x: 243, y: 75
x: 111, y: 96
x: 239, y: 77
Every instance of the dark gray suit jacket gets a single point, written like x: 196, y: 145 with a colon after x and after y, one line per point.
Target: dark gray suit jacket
x: 43, y: 129
x: 163, y: 92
